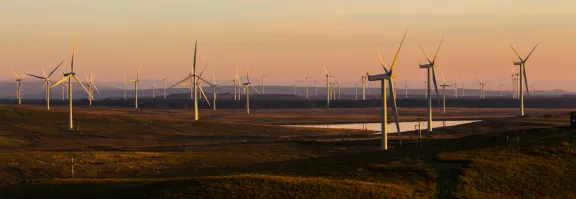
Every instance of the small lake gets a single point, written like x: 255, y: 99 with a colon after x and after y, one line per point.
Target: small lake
x: 404, y: 126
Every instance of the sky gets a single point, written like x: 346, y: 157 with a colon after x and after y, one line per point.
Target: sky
x: 290, y: 40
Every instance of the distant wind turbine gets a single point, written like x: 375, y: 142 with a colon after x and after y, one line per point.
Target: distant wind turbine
x: 46, y: 85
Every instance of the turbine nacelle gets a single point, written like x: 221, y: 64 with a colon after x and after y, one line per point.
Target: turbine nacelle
x: 378, y: 77
x: 68, y: 74
x: 426, y: 65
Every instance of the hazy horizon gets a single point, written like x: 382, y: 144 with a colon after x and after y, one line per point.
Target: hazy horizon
x: 291, y: 40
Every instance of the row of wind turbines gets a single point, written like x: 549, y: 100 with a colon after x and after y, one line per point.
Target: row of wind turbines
x: 195, y: 80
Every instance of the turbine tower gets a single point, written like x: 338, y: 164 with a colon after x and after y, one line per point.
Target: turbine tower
x: 125, y: 80
x: 501, y: 90
x: 136, y: 86
x: 69, y: 76
x: 262, y: 81
x: 522, y: 65
x: 363, y: 79
x: 164, y: 79
x: 19, y: 86
x: 388, y: 77
x: 46, y: 85
x: 444, y: 85
x: 328, y: 87
x: 431, y: 68
x: 246, y: 89
x: 154, y: 90
x: 405, y: 89
x: 214, y: 87
x: 306, y: 84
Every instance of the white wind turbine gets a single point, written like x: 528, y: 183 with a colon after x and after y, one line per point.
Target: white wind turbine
x: 19, y: 86
x: 405, y: 89
x: 522, y: 65
x: 356, y: 88
x: 91, y: 87
x: 294, y: 90
x: 246, y: 89
x: 262, y: 81
x: 431, y: 68
x: 328, y: 87
x: 501, y: 90
x: 482, y: 91
x: 69, y: 76
x: 388, y: 77
x: 165, y: 88
x: 444, y: 85
x: 236, y: 82
x: 154, y: 90
x: 363, y: 79
x: 306, y: 84
x: 46, y: 85
x: 195, y: 79
x: 136, y: 86
x: 214, y: 93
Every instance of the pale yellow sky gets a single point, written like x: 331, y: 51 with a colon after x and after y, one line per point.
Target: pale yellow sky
x: 290, y: 40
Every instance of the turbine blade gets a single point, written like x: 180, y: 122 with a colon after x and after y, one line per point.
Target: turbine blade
x: 214, y: 77
x: 525, y: 60
x: 255, y: 89
x: 426, y: 55
x: 49, y: 75
x: 43, y: 86
x: 205, y: 98
x: 394, y: 107
x: 61, y: 80
x: 83, y: 87
x: 202, y: 72
x: 96, y: 88
x: 44, y: 72
x: 435, y: 84
x: 382, y: 62
x: 15, y: 75
x: 325, y: 70
x: 526, y: 79
x: 36, y: 76
x: 87, y: 79
x: 437, y: 51
x: 397, y: 53
x: 516, y: 52
x: 182, y: 81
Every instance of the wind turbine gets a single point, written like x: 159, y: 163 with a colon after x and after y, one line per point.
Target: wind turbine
x: 214, y: 87
x: 463, y: 93
x: 363, y: 80
x: 405, y: 89
x: 154, y: 90
x: 306, y: 83
x: 262, y: 81
x: 46, y: 85
x: 19, y: 86
x: 482, y: 85
x: 356, y: 88
x: 294, y: 90
x: 455, y: 90
x: 91, y: 86
x: 328, y: 87
x: 522, y: 65
x: 236, y: 82
x: 431, y: 77
x: 69, y: 76
x: 195, y: 79
x: 246, y: 89
x: 136, y: 86
x: 501, y: 90
x: 164, y: 79
x: 339, y: 93
x: 388, y: 76
x: 444, y: 85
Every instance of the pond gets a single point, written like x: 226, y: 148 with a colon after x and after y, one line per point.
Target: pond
x: 404, y: 126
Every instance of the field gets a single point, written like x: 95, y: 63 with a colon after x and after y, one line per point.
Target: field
x: 155, y: 153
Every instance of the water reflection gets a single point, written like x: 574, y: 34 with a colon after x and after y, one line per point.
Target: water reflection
x: 404, y: 126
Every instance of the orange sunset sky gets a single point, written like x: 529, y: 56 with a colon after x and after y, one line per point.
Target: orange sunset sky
x: 289, y: 40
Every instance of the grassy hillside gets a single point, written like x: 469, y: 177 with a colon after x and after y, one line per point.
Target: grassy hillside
x: 122, y: 154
